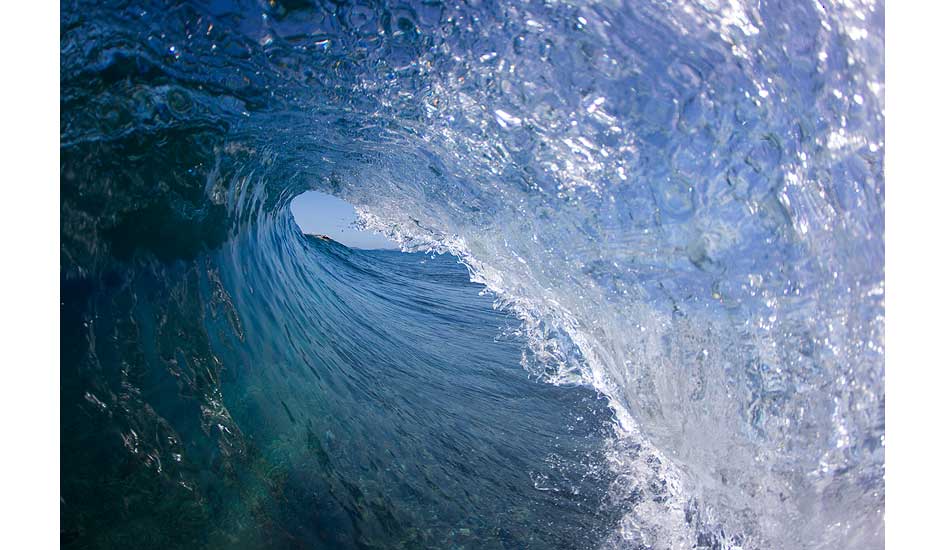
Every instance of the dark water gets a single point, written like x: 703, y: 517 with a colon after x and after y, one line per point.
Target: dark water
x: 343, y: 398
x: 672, y: 214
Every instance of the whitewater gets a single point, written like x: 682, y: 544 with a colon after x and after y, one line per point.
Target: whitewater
x: 639, y: 302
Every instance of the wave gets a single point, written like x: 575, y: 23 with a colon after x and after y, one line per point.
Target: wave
x: 677, y: 210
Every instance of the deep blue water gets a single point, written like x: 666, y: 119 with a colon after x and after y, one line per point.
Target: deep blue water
x: 640, y: 302
x: 404, y: 416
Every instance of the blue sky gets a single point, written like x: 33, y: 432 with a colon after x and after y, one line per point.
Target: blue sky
x: 324, y: 214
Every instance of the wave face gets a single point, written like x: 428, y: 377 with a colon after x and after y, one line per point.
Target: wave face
x: 677, y: 209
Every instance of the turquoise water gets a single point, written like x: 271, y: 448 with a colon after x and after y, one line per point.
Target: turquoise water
x: 640, y: 301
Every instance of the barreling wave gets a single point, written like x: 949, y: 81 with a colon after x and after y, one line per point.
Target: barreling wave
x: 676, y: 205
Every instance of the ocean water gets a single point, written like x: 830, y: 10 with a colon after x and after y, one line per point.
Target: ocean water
x: 640, y: 301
